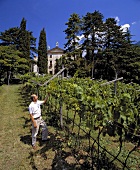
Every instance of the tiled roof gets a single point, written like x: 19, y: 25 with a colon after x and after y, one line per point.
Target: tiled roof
x: 56, y: 50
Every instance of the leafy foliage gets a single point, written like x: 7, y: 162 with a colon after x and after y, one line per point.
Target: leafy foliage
x: 94, y: 106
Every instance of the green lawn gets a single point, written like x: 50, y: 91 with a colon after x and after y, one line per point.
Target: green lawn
x: 13, y: 152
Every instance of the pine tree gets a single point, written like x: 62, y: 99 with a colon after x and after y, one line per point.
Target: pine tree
x: 72, y: 34
x: 72, y: 45
x: 92, y: 27
x: 125, y: 55
x: 134, y: 65
x: 11, y: 61
x: 10, y: 36
x: 117, y: 56
x: 114, y: 46
x: 22, y: 39
x: 42, y: 53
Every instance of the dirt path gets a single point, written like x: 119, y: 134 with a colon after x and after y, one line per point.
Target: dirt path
x: 15, y: 138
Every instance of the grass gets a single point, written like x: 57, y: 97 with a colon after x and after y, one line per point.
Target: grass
x: 16, y: 152
x: 13, y: 152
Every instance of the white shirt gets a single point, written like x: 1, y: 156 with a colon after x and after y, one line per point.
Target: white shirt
x: 34, y: 108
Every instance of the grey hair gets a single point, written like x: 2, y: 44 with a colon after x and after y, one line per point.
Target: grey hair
x: 32, y: 96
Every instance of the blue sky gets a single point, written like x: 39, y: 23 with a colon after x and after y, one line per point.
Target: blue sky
x: 53, y: 14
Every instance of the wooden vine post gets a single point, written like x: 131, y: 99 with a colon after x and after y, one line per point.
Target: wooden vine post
x: 61, y: 103
x: 113, y: 81
x: 115, y: 84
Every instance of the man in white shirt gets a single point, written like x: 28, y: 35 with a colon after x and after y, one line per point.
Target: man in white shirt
x: 37, y: 121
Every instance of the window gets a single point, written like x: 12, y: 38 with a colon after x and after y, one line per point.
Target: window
x: 50, y: 56
x: 50, y: 62
x: 50, y: 72
x: 50, y: 65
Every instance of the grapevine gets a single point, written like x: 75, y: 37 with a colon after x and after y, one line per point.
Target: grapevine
x: 95, y: 107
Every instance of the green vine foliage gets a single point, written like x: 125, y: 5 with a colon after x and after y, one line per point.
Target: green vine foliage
x: 96, y: 105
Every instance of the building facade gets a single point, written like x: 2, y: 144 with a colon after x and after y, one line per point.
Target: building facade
x: 35, y: 67
x: 53, y: 55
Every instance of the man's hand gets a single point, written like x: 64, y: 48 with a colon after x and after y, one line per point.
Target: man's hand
x: 46, y: 98
x: 33, y: 121
x: 35, y: 125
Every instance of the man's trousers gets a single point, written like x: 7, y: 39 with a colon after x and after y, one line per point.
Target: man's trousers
x: 39, y: 122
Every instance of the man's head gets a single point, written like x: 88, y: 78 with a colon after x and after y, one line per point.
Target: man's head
x: 34, y: 97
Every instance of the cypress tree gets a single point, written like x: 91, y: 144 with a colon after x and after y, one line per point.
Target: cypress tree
x: 24, y: 40
x: 42, y: 53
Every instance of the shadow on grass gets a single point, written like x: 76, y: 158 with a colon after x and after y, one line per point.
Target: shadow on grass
x: 24, y: 99
x: 32, y: 161
x: 26, y: 139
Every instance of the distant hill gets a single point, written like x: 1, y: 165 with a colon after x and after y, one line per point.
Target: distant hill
x: 4, y: 44
x: 138, y: 43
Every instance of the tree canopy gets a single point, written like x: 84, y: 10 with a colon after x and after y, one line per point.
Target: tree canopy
x: 11, y: 61
x: 109, y: 50
x: 20, y: 45
x: 21, y: 38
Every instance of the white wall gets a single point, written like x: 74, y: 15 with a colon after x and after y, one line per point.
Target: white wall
x: 53, y: 59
